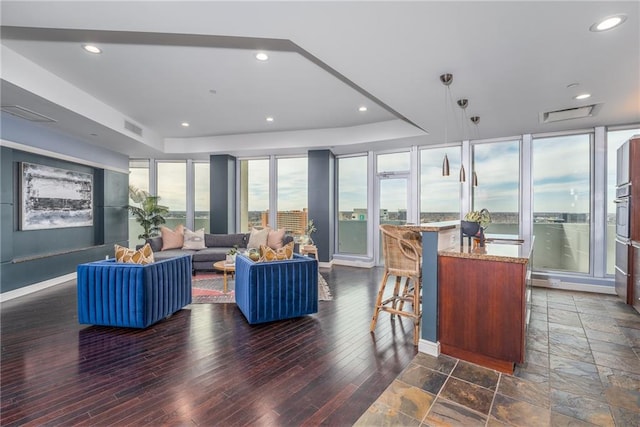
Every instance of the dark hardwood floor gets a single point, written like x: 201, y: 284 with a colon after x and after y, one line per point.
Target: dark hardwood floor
x: 202, y: 366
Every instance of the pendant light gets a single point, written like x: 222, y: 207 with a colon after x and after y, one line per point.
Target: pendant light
x: 475, y: 120
x: 446, y: 80
x: 462, y: 103
x: 445, y: 165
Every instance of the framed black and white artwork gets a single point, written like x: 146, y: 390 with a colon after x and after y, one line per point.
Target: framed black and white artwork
x: 54, y: 198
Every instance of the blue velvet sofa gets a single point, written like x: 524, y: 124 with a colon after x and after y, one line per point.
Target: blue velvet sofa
x: 132, y: 295
x: 269, y: 291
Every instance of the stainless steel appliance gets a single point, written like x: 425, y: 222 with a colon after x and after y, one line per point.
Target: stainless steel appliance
x: 623, y: 224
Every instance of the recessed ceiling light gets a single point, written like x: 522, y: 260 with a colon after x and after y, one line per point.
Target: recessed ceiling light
x: 269, y: 119
x: 608, y: 23
x: 185, y: 124
x: 261, y: 56
x: 91, y: 48
x: 582, y: 96
x: 570, y: 85
x: 362, y: 109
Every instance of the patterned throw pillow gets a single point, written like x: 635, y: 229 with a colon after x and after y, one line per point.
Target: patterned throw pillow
x: 194, y: 239
x: 143, y: 256
x: 172, y: 239
x: 284, y: 253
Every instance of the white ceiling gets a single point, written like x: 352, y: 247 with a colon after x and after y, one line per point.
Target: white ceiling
x: 168, y: 62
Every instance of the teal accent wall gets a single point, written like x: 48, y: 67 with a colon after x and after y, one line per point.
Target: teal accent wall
x: 29, y: 257
x: 33, y: 256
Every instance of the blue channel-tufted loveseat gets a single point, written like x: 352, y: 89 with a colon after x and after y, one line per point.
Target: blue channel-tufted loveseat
x: 276, y: 290
x: 132, y: 295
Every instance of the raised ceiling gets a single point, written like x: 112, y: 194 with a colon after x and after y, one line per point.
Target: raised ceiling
x: 164, y: 63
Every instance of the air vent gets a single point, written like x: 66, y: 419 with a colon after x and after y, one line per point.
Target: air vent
x: 570, y: 113
x: 24, y: 113
x: 133, y: 128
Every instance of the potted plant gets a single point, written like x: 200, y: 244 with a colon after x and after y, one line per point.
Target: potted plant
x: 149, y: 214
x: 474, y: 224
x: 231, y: 255
x: 306, y: 239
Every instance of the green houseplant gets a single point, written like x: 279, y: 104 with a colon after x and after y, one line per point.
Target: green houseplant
x: 148, y: 213
x: 306, y: 239
x: 482, y: 217
x: 474, y: 224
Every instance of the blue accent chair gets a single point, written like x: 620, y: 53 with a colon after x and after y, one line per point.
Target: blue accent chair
x: 132, y: 295
x: 269, y: 291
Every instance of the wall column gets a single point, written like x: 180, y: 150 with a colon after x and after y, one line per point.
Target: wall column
x: 222, y: 190
x: 321, y: 201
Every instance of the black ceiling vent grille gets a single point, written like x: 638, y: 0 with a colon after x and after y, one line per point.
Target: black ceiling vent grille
x: 133, y: 128
x: 570, y: 113
x: 24, y: 113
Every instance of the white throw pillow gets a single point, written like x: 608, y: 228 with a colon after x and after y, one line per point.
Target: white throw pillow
x: 193, y: 239
x: 258, y: 238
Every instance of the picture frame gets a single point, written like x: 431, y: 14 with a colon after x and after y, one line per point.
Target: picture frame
x: 52, y: 197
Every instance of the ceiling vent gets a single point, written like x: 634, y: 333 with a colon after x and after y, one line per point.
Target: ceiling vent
x: 133, y: 128
x: 570, y: 113
x: 24, y: 113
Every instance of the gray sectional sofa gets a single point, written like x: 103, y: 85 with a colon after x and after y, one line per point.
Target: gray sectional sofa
x: 217, y: 246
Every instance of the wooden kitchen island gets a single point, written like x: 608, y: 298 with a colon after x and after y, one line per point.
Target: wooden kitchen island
x: 484, y: 301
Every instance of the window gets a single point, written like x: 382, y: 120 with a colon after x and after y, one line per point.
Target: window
x: 254, y: 194
x: 352, y: 205
x: 393, y: 162
x: 172, y: 189
x: 439, y: 195
x: 201, y: 196
x: 497, y: 166
x: 562, y: 202
x: 292, y: 195
x: 138, y: 178
x: 614, y: 140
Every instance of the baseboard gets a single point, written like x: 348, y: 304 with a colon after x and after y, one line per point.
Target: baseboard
x: 568, y: 286
x: 6, y: 296
x: 325, y: 264
x: 354, y: 263
x: 429, y: 347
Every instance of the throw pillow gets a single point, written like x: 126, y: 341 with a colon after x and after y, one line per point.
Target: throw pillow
x: 172, y: 239
x: 258, y: 237
x: 275, y: 240
x: 144, y: 255
x: 193, y: 239
x: 284, y: 253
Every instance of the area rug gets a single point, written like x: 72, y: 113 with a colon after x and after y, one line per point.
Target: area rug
x: 208, y: 289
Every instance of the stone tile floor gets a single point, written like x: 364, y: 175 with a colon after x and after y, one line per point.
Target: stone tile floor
x: 582, y: 369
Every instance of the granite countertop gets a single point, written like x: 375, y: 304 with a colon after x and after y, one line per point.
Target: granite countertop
x: 433, y: 226
x: 503, y: 248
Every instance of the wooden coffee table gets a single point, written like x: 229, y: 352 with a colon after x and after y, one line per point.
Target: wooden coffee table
x: 225, y: 268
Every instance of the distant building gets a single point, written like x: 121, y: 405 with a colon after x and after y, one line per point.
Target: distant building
x: 359, y: 214
x: 295, y: 222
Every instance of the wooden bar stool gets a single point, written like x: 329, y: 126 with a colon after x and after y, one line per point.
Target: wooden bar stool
x: 402, y: 251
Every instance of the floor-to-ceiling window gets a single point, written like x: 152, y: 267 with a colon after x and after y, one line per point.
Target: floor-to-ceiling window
x: 254, y: 194
x: 139, y: 179
x: 561, y: 173
x: 201, y: 195
x: 497, y: 168
x: 439, y: 195
x: 172, y: 190
x: 292, y: 194
x: 353, y: 214
x: 614, y: 140
x: 393, y: 187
